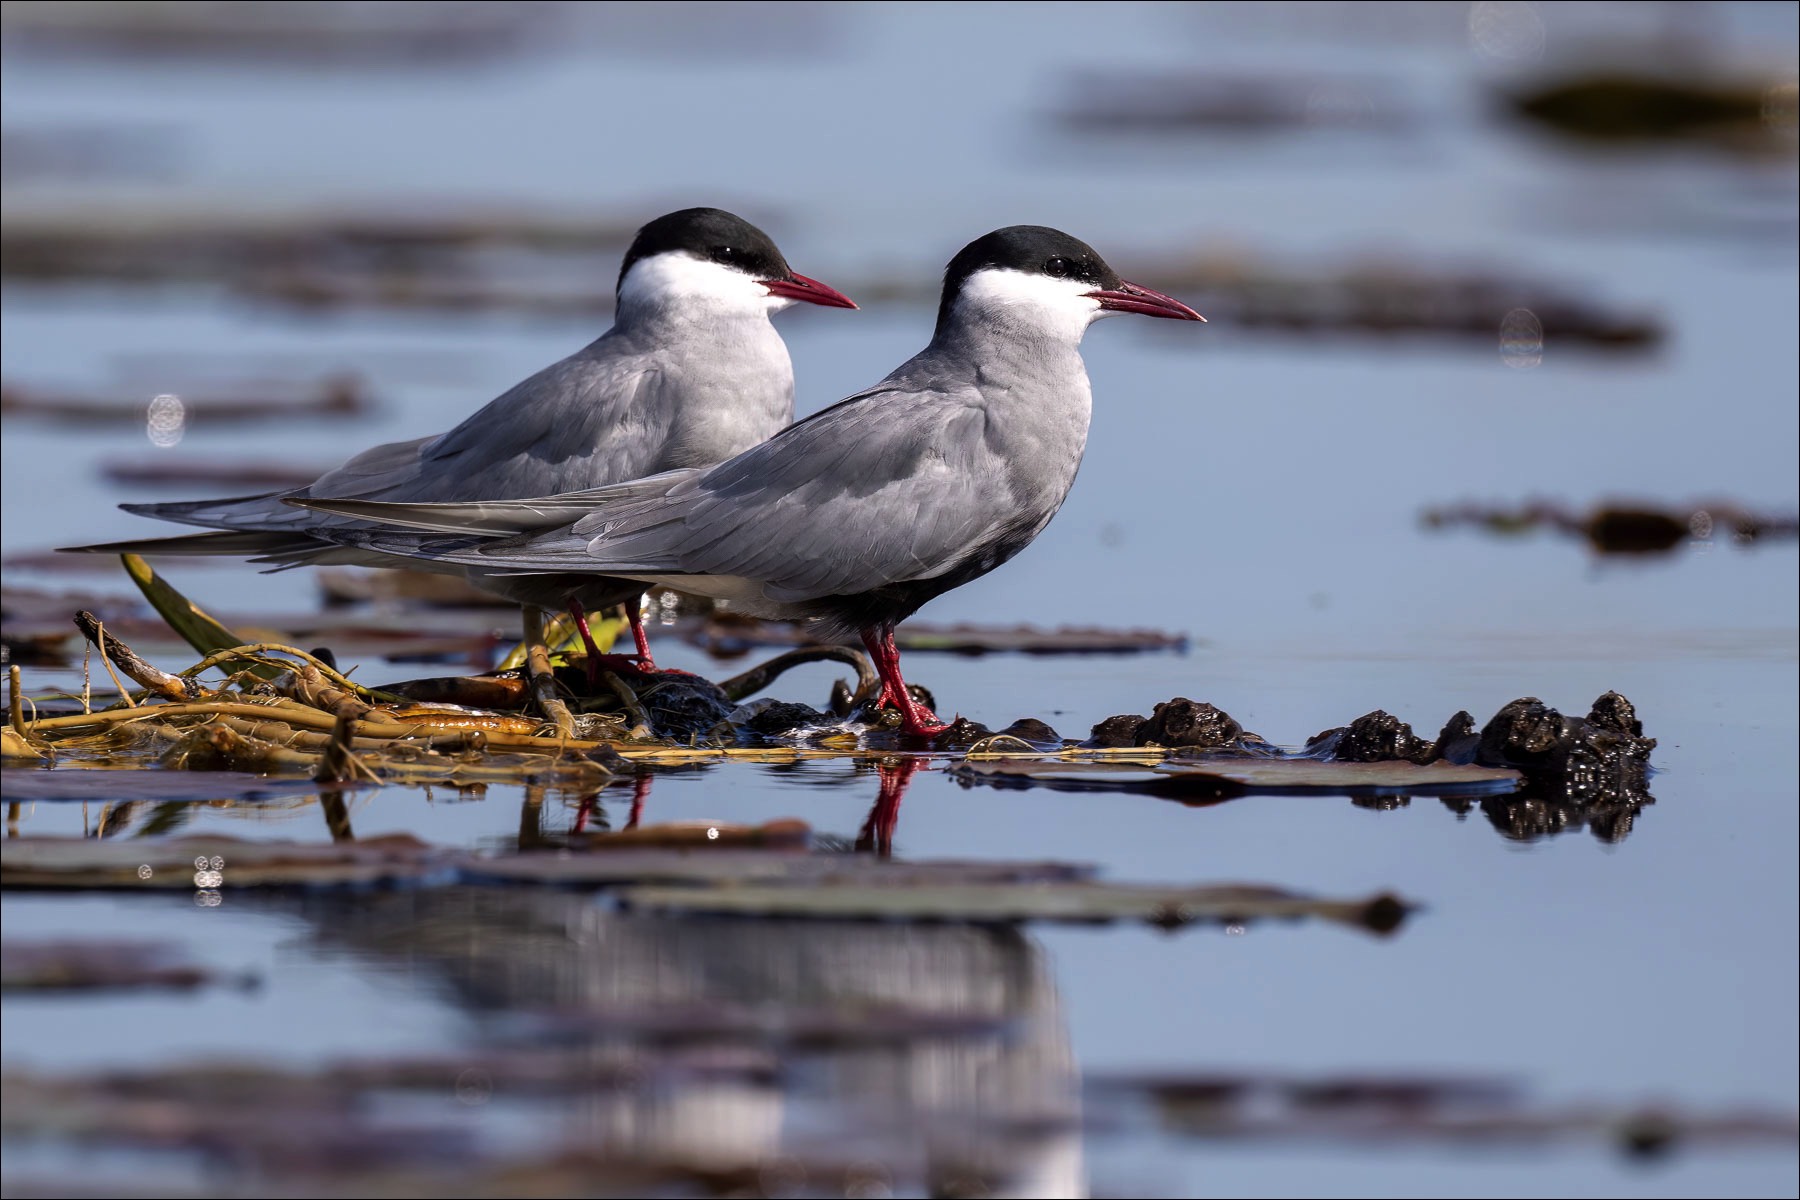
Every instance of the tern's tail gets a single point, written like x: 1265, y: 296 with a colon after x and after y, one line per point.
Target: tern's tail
x: 234, y: 542
x: 235, y: 512
x: 495, y: 517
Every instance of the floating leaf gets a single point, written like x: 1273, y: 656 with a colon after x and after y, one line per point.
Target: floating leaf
x: 13, y: 745
x: 196, y: 627
x: 1213, y: 777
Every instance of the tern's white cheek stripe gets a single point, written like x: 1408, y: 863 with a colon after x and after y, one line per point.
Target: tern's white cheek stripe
x: 677, y: 277
x: 1059, y: 307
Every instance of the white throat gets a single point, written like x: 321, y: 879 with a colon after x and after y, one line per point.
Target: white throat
x: 699, y: 290
x: 1032, y: 306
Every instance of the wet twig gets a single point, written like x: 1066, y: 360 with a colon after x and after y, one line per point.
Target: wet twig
x: 258, y: 649
x: 761, y: 676
x: 112, y: 650
x: 634, y: 707
x: 16, y: 700
x: 543, y: 680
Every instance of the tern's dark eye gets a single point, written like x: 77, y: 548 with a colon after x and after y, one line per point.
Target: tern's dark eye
x: 1057, y: 268
x: 724, y: 254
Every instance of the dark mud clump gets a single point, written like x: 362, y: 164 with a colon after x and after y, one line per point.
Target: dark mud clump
x: 1034, y: 731
x: 777, y: 718
x: 1378, y: 737
x: 1578, y: 772
x: 1177, y: 724
x: 1590, y: 771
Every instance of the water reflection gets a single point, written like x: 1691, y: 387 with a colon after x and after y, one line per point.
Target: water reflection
x: 877, y: 834
x: 950, y: 1062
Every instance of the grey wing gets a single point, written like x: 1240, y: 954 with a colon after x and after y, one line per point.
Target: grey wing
x: 893, y: 486
x: 592, y: 419
x: 496, y: 517
x: 578, y: 423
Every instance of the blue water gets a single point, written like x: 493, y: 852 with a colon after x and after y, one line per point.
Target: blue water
x: 1258, y: 493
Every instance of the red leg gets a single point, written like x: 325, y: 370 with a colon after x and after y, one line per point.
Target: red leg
x: 587, y: 639
x: 634, y: 612
x: 640, y: 663
x: 917, y: 719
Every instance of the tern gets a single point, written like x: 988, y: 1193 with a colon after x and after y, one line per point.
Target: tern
x: 691, y: 373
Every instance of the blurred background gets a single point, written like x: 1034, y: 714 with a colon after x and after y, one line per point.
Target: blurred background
x: 1497, y: 398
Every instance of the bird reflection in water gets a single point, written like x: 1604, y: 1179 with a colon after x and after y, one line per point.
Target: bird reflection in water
x: 640, y: 791
x: 877, y: 834
x: 931, y: 1059
x: 912, y: 1057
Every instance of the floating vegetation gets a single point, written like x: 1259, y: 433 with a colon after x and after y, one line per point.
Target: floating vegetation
x: 1624, y: 528
x: 90, y: 965
x: 1227, y: 777
x: 281, y: 712
x: 390, y: 34
x: 333, y: 396
x: 1620, y: 107
x: 1452, y: 1111
x: 723, y: 634
x: 468, y: 259
x: 1173, y: 103
x: 35, y: 626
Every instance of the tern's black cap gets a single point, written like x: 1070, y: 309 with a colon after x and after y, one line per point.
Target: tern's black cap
x: 1032, y: 249
x: 712, y: 234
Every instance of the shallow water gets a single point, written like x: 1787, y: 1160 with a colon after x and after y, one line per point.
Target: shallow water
x: 1259, y: 493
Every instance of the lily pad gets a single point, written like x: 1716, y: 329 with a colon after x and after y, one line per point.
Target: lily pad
x: 1234, y: 776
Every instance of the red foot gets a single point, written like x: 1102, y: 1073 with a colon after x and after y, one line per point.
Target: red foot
x: 628, y: 664
x: 641, y: 663
x: 916, y: 719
